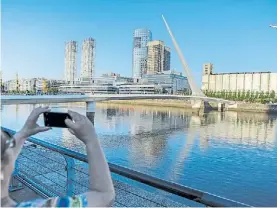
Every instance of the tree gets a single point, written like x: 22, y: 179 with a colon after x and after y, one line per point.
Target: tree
x: 262, y: 95
x: 272, y: 94
x: 252, y: 96
x: 239, y: 95
x: 2, y: 88
x: 215, y: 93
x: 248, y: 95
x: 267, y: 95
x: 256, y: 95
x: 224, y: 94
x: 206, y: 92
x: 229, y: 94
x: 243, y: 95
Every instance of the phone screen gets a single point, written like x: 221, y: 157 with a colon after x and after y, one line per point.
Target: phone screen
x: 55, y: 119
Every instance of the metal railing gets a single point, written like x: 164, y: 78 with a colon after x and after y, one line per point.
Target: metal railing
x: 177, y: 189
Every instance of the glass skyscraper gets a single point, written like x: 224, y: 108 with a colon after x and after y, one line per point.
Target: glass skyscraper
x: 141, y: 38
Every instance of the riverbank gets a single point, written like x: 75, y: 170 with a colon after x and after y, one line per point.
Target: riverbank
x: 239, y: 107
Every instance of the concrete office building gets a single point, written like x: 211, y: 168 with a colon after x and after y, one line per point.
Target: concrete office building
x: 240, y: 81
x: 158, y: 58
x: 141, y: 38
x: 70, y: 61
x: 95, y: 89
x: 117, y: 79
x: 139, y: 89
x: 106, y: 79
x: 171, y: 82
x: 87, y: 60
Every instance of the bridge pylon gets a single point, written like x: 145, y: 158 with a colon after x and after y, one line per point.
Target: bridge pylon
x: 196, y: 91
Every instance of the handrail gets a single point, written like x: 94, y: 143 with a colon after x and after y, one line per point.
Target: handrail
x: 180, y: 190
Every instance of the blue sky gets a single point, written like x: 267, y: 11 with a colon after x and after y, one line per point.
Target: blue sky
x: 232, y: 34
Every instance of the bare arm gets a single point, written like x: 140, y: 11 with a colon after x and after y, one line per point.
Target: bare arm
x: 102, y: 190
x: 30, y: 128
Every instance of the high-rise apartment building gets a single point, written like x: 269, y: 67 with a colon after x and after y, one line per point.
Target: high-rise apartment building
x: 70, y: 61
x: 141, y: 38
x: 158, y: 58
x: 87, y: 62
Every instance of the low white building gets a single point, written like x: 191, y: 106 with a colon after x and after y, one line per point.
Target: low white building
x: 31, y: 85
x: 10, y: 85
x: 27, y: 85
x: 170, y: 81
x: 106, y: 79
x: 140, y: 89
x: 95, y: 89
x: 240, y: 81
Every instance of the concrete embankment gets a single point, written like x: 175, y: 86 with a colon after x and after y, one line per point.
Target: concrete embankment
x: 254, y: 107
x: 240, y: 106
x: 154, y: 102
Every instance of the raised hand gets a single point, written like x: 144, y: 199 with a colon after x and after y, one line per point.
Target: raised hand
x: 81, y: 127
x: 31, y: 127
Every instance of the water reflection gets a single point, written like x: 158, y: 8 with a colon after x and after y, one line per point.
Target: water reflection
x: 241, y: 128
x: 229, y: 154
x: 232, y: 127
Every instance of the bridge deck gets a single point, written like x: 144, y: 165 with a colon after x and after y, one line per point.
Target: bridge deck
x: 8, y: 100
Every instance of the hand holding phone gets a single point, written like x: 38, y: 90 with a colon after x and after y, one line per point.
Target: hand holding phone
x: 82, y: 127
x: 56, y: 119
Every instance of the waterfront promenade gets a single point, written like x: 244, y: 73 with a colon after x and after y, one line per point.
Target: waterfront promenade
x: 47, y: 169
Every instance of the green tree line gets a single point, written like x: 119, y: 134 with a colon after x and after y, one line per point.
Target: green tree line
x: 248, y: 96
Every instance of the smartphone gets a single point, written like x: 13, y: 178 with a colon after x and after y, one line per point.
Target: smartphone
x: 56, y: 119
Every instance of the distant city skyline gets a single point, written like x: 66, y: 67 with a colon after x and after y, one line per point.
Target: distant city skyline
x: 232, y: 35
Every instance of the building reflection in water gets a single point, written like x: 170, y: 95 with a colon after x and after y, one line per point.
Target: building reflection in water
x: 251, y: 129
x: 150, y: 128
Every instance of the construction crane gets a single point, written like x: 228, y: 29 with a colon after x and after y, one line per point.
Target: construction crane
x: 273, y: 26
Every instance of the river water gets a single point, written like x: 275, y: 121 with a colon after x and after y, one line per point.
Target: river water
x: 233, y: 155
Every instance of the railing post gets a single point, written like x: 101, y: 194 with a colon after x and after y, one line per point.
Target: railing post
x: 13, y: 186
x: 70, y: 175
x: 90, y: 111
